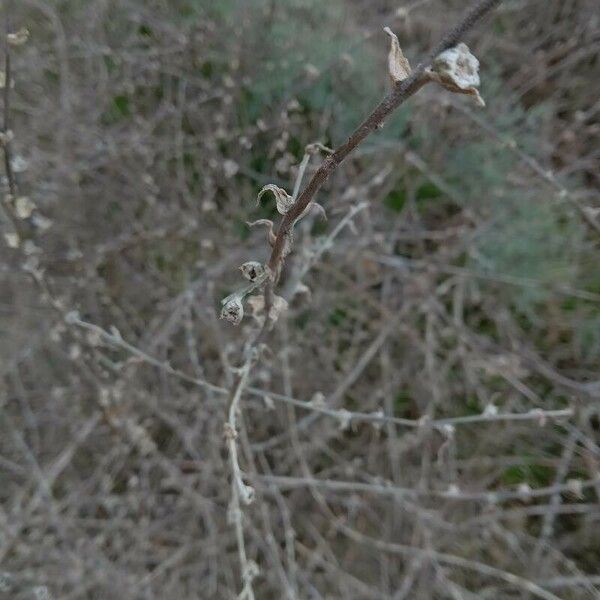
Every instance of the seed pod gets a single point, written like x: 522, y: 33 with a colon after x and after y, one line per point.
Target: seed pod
x: 457, y: 70
x: 252, y: 270
x: 233, y: 310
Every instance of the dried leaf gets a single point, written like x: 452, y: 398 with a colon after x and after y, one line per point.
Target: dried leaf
x: 319, y: 208
x: 398, y: 65
x: 271, y: 237
x: 282, y: 198
x: 257, y: 305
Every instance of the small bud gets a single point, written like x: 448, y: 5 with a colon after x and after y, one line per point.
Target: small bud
x: 540, y: 416
x: 246, y: 493
x: 18, y: 38
x: 317, y: 147
x: 311, y: 71
x: 318, y: 400
x: 279, y: 306
x: 591, y: 212
x: 490, y: 410
x: 524, y: 490
x: 72, y: 317
x: 6, y: 137
x: 424, y: 421
x: 453, y: 490
x: 24, y: 207
x: 448, y: 430
x: 575, y: 487
x: 492, y: 498
x: 230, y: 168
x: 378, y: 423
x: 345, y: 419
x: 251, y: 571
x: 283, y: 200
x: 233, y: 310
x: 40, y: 222
x: 398, y: 65
x: 12, y: 240
x: 252, y: 270
x: 229, y: 433
x: 303, y: 290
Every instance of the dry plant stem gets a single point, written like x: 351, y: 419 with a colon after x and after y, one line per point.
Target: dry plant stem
x: 238, y: 489
x: 354, y: 416
x: 10, y: 175
x: 397, y: 96
x: 284, y: 483
x: 450, y: 559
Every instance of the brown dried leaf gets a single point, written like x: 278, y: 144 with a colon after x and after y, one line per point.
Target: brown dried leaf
x: 398, y: 65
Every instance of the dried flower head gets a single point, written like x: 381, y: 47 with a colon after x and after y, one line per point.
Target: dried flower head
x: 232, y: 310
x: 457, y: 70
x: 252, y: 270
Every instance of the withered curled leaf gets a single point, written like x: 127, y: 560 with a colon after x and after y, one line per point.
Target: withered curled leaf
x: 283, y: 200
x: 271, y: 237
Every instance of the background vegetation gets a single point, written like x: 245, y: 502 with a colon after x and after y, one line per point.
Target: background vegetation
x: 469, y: 285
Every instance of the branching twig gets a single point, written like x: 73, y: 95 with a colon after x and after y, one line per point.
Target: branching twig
x: 398, y: 95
